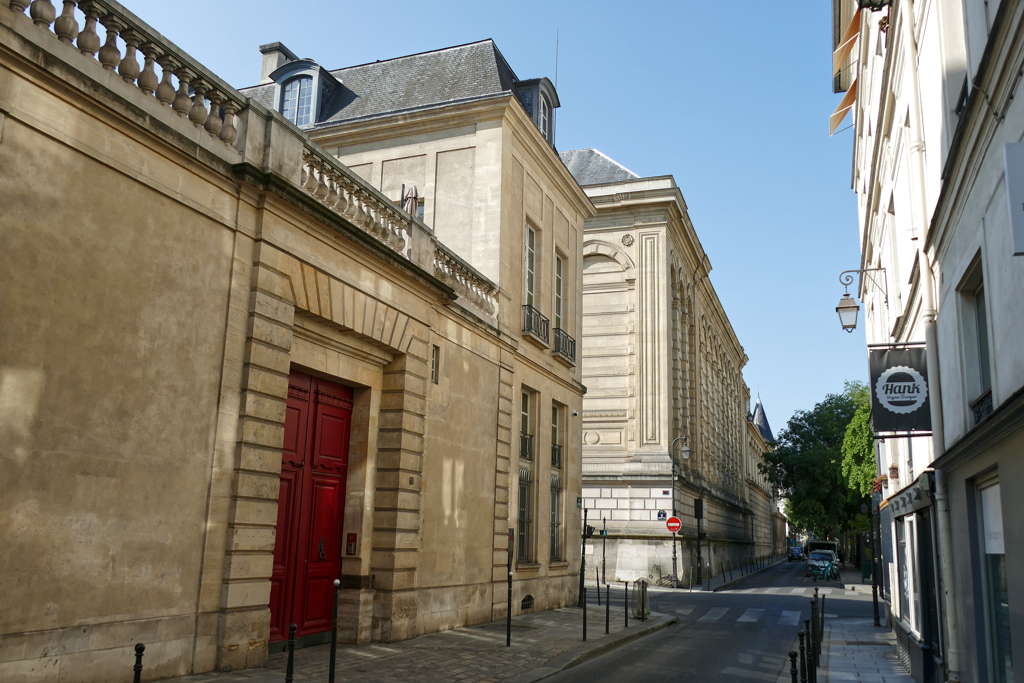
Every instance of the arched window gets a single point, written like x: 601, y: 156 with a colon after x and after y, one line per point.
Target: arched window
x: 297, y: 100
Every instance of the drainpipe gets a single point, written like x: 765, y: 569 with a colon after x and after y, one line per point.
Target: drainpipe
x: 928, y: 318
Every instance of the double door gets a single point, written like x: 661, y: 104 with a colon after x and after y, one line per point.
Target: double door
x: 311, y: 506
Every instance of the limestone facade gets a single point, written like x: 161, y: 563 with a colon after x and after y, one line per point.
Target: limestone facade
x: 168, y: 266
x: 662, y: 363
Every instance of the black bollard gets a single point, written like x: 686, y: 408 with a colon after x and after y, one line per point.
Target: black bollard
x: 730, y: 571
x: 821, y: 623
x: 803, y: 660
x: 139, y: 649
x: 625, y: 600
x: 334, y: 632
x: 814, y: 630
x: 289, y: 674
x: 597, y: 580
x: 792, y: 666
x: 607, y: 608
x: 584, y: 614
x: 812, y: 673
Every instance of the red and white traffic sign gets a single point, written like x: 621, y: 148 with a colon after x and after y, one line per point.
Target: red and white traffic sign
x: 673, y: 524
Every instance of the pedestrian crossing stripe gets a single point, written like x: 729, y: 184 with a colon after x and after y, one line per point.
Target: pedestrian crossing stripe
x: 714, y: 614
x: 776, y: 589
x: 751, y: 615
x: 790, y: 618
x: 798, y: 591
x: 685, y: 611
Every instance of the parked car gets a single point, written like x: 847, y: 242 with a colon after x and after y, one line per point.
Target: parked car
x: 795, y: 552
x: 818, y: 559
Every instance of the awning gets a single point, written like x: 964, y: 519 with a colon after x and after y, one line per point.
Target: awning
x: 846, y: 43
x: 844, y: 106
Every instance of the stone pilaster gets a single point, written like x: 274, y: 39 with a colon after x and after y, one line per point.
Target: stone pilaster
x: 502, y: 485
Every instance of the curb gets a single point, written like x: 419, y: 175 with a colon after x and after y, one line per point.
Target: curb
x: 581, y: 654
x: 762, y: 569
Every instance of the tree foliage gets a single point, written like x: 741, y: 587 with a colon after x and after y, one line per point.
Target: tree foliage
x: 806, y: 464
x: 859, y: 444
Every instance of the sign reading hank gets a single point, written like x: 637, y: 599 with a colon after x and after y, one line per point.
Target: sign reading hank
x: 899, y: 391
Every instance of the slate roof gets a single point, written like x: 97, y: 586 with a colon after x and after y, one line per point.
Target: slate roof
x: 761, y: 422
x: 591, y: 167
x: 454, y: 74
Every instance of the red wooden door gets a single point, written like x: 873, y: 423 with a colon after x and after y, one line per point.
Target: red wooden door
x: 311, y: 505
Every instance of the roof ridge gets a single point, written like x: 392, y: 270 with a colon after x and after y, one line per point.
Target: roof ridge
x: 614, y: 162
x: 419, y: 54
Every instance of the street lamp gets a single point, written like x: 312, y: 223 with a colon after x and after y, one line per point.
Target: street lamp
x: 684, y: 452
x: 848, y: 307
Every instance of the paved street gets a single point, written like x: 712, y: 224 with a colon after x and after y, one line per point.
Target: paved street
x: 742, y: 633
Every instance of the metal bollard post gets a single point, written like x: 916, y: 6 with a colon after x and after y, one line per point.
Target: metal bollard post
x: 730, y: 571
x: 334, y: 633
x: 625, y: 599
x: 584, y: 614
x: 289, y: 673
x: 139, y: 649
x: 821, y: 624
x: 811, y: 671
x: 792, y: 666
x: 597, y: 579
x: 607, y: 608
x: 803, y: 659
x: 814, y: 630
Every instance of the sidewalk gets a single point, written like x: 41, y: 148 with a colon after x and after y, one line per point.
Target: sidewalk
x: 543, y: 643
x: 853, y: 580
x: 855, y: 650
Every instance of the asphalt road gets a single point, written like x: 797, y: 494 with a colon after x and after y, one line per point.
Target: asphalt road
x: 743, y: 633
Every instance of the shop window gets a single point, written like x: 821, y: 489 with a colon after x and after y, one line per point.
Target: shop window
x: 997, y: 603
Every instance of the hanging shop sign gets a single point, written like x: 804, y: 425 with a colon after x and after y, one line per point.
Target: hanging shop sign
x: 899, y: 390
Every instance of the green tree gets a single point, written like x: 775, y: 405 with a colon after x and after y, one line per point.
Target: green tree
x: 806, y: 465
x: 858, y: 443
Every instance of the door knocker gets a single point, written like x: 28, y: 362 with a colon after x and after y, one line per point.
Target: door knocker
x: 323, y: 553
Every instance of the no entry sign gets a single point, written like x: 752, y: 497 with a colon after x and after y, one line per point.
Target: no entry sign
x: 673, y: 524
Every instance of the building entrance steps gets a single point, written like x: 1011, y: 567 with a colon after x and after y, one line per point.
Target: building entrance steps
x: 543, y: 643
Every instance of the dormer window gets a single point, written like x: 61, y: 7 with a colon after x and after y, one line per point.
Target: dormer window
x: 545, y: 117
x: 297, y: 99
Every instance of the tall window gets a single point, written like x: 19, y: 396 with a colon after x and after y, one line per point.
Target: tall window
x: 523, y: 549
x: 997, y: 597
x: 545, y: 118
x: 556, y: 518
x: 526, y: 427
x: 559, y: 269
x: 435, y: 363
x: 297, y: 100
x: 530, y: 261
x: 556, y: 436
x: 974, y: 333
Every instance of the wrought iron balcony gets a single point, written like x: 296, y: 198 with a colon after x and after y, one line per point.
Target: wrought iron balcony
x: 982, y: 406
x: 535, y: 324
x: 526, y: 446
x: 556, y: 456
x: 565, y: 346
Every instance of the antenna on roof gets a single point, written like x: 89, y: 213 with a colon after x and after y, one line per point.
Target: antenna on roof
x: 556, y: 59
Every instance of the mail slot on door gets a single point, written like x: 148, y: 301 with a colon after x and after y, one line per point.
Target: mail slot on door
x: 350, y: 545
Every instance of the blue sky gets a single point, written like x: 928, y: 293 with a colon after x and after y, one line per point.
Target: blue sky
x: 731, y: 97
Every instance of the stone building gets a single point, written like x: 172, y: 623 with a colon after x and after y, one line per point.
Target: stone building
x: 937, y: 120
x: 233, y: 369
x: 663, y: 370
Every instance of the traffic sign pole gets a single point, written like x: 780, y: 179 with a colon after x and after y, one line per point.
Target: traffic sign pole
x: 674, y: 524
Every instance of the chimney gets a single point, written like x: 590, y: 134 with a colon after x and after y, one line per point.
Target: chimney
x: 275, y: 55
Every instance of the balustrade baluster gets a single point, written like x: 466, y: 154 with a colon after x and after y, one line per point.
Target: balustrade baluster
x: 165, y: 90
x: 352, y: 210
x: 197, y: 114
x: 18, y: 6
x: 213, y: 123
x: 66, y: 27
x: 129, y: 67
x: 228, y: 132
x: 88, y: 42
x: 110, y: 55
x: 147, y: 80
x: 182, y: 102
x: 43, y: 13
x: 341, y: 203
x: 321, y: 190
x: 331, y: 199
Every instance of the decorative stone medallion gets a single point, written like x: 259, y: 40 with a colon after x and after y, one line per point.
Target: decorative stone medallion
x: 627, y: 240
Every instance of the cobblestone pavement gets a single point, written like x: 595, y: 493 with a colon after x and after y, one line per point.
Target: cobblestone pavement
x: 542, y: 643
x: 855, y: 651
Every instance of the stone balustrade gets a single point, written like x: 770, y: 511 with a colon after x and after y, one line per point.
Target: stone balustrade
x: 196, y: 86
x: 340, y: 189
x: 177, y: 81
x: 464, y: 279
